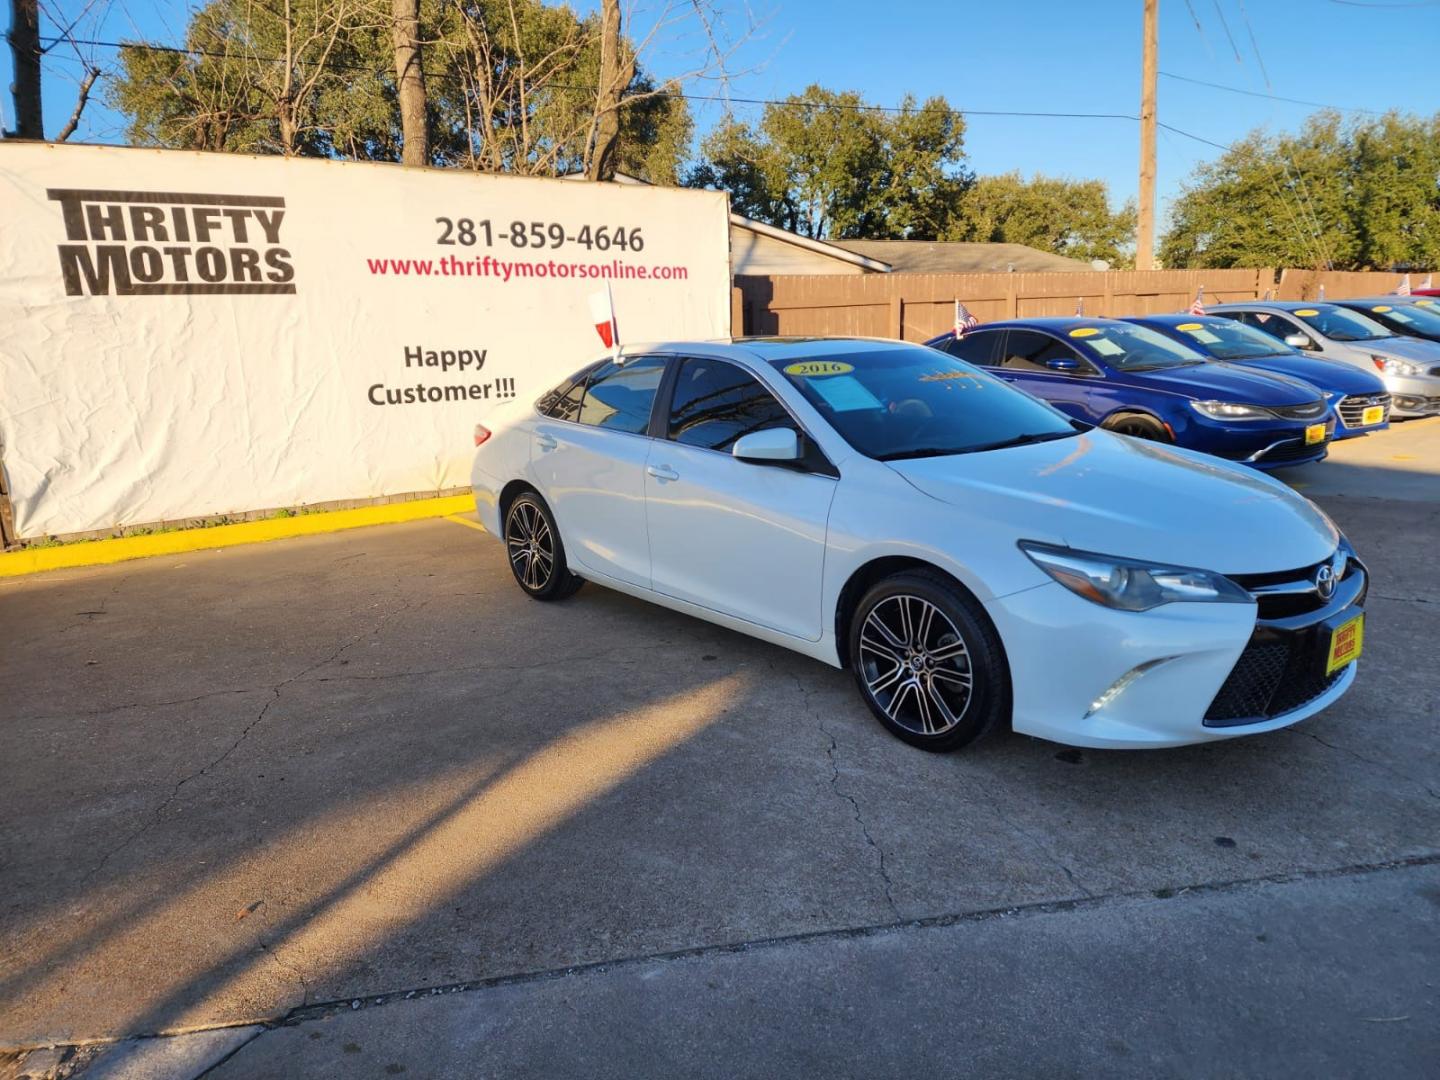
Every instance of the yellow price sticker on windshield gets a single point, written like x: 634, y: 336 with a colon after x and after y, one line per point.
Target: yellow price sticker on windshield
x: 811, y: 368
x: 1085, y: 331
x: 1307, y: 311
x: 1424, y: 302
x: 1382, y: 308
x: 1190, y: 326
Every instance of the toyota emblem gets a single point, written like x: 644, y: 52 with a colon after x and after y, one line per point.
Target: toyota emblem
x: 1325, y: 582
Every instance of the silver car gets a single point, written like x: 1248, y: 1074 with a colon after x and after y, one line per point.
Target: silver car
x: 1409, y: 366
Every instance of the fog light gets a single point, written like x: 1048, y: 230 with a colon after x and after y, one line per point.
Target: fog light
x: 1120, y: 685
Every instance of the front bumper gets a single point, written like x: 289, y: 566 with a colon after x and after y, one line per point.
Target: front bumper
x: 1413, y: 395
x: 1068, y: 655
x: 1263, y: 445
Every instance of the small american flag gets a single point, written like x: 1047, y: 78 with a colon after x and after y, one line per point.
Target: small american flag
x: 1079, y: 307
x: 1403, y: 289
x: 1197, y: 307
x: 1429, y: 282
x: 964, y: 320
x: 1321, y: 295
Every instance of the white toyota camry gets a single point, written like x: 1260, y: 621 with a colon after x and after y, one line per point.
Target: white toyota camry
x: 975, y: 557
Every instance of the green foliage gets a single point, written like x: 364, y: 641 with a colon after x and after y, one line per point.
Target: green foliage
x: 1067, y: 217
x: 1355, y: 197
x: 825, y: 165
x: 316, y: 77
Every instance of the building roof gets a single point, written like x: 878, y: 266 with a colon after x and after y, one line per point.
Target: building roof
x: 957, y: 257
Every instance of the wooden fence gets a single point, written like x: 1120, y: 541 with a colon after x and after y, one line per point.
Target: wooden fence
x: 914, y: 307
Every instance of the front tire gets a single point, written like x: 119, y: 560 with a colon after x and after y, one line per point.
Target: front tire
x: 928, y: 662
x: 537, y: 557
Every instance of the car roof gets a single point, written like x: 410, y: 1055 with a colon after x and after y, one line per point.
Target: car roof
x: 1387, y: 299
x: 1273, y: 305
x: 1054, y: 323
x: 766, y: 348
x: 1174, y: 318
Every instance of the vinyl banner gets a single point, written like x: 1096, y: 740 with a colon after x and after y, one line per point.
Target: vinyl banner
x: 191, y: 334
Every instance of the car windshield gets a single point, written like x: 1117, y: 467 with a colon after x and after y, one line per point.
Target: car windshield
x: 1420, y: 317
x: 1341, y: 324
x: 907, y: 402
x: 1226, y: 339
x: 1131, y: 348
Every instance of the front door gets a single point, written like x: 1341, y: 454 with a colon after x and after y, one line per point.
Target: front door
x: 741, y: 538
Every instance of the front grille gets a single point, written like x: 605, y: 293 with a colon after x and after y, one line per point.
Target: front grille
x: 1283, y: 665
x: 1276, y: 674
x: 1352, y: 409
x: 1293, y: 450
x: 1309, y: 411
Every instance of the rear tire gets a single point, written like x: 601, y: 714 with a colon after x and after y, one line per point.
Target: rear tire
x: 928, y: 662
x: 1138, y: 426
x: 535, y: 551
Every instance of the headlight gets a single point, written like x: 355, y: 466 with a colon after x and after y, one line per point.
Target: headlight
x: 1128, y: 584
x: 1228, y: 410
x: 1391, y: 366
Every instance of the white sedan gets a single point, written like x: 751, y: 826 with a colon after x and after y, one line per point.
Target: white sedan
x: 976, y: 558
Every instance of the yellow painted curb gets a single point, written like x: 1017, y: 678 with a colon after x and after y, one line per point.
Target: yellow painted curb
x: 100, y: 552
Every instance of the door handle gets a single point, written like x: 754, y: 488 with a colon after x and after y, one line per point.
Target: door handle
x: 662, y: 472
x: 547, y: 442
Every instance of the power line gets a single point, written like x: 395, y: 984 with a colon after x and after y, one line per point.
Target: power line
x: 446, y: 75
x: 1272, y: 97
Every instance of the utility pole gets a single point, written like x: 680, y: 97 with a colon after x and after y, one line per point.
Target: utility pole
x: 1145, y: 233
x: 24, y: 38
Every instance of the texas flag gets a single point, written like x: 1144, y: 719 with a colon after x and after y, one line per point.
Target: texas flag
x: 602, y: 313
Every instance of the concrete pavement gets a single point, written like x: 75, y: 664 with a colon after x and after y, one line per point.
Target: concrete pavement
x: 237, y: 785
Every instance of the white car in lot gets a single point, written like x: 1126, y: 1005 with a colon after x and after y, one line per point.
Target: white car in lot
x: 976, y: 558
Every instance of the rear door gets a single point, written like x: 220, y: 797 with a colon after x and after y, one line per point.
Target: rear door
x: 742, y: 538
x: 589, y: 458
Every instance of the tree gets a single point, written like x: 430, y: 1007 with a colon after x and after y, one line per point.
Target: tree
x: 1068, y: 217
x: 410, y: 83
x: 825, y: 164
x: 1352, y: 197
x: 509, y: 86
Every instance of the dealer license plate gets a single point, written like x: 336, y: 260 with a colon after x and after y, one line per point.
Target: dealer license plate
x: 1346, y: 641
x: 1372, y: 415
x: 1315, y: 433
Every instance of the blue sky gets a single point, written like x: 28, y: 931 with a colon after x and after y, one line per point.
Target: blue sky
x: 1040, y: 56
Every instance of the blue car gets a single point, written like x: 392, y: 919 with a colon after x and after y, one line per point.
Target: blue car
x: 1136, y: 381
x: 1359, y: 398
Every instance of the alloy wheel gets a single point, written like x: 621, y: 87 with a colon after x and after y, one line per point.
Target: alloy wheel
x: 915, y: 664
x: 531, y: 545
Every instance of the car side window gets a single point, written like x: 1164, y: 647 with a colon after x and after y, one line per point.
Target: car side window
x: 563, y: 402
x: 715, y: 403
x: 619, y: 396
x: 976, y: 348
x: 1027, y: 350
x: 1277, y: 326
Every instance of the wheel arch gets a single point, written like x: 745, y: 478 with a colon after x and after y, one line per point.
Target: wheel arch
x: 510, y: 492
x: 877, y: 569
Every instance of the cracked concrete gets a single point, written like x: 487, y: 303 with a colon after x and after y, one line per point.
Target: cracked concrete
x: 178, y: 855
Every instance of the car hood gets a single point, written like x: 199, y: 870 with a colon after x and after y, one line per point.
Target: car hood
x: 1332, y: 375
x: 1120, y: 496
x: 1406, y: 348
x: 1225, y: 382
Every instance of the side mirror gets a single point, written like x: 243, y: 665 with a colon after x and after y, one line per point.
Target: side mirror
x: 773, y: 444
x: 1299, y: 341
x: 1063, y: 363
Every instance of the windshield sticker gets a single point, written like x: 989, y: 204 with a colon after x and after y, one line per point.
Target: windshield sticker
x: 809, y: 369
x: 1106, y: 347
x: 941, y: 376
x: 1424, y: 303
x: 1307, y: 311
x: 1189, y: 326
x: 1200, y: 334
x: 846, y: 394
x: 1382, y: 308
x: 1085, y: 331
